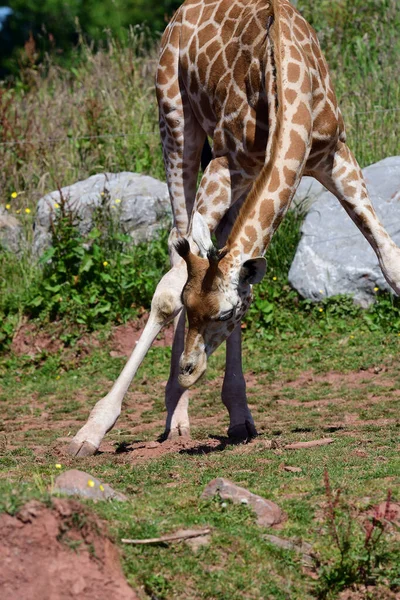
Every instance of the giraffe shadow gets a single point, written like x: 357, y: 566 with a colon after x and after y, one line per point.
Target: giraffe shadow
x: 208, y: 448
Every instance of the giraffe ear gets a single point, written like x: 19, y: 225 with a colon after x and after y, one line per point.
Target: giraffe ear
x: 201, y: 234
x: 253, y: 270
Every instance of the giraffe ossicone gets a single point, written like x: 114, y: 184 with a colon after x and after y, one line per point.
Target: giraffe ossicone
x: 249, y: 75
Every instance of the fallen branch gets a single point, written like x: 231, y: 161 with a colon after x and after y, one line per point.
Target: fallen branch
x: 173, y: 537
x: 310, y: 444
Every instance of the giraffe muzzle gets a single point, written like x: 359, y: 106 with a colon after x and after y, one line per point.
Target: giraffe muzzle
x: 191, y: 370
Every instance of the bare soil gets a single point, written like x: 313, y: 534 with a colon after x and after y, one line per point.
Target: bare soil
x: 59, y: 552
x: 31, y: 339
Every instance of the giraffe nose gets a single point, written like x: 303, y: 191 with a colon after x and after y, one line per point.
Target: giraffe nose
x: 188, y: 368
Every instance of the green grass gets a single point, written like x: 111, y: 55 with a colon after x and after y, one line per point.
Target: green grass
x: 293, y: 396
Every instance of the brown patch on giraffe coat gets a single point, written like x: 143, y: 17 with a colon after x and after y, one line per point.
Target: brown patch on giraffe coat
x: 349, y: 190
x: 295, y: 54
x: 275, y: 181
x: 251, y: 233
x: 208, y: 33
x: 306, y: 84
x: 234, y: 12
x: 202, y: 62
x: 211, y: 188
x: 302, y: 116
x: 290, y: 95
x: 192, y: 15
x: 326, y: 123
x: 288, y: 174
x: 293, y: 72
x: 267, y: 213
x: 212, y: 49
x: 297, y: 147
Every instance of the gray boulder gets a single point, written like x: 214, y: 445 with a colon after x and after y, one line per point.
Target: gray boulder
x: 11, y: 234
x: 140, y: 203
x: 333, y: 257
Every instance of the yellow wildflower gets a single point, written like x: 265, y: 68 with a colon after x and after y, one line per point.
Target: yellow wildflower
x: 274, y: 278
x: 117, y: 201
x: 28, y: 211
x: 101, y: 488
x: 352, y: 337
x: 14, y: 195
x: 56, y: 205
x: 8, y: 206
x: 376, y: 289
x: 58, y: 466
x: 18, y: 211
x: 321, y: 291
x: 90, y: 483
x: 105, y: 263
x: 321, y: 310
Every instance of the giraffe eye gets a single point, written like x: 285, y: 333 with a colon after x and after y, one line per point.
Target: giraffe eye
x: 226, y: 315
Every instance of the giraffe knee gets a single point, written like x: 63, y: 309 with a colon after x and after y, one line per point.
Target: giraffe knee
x: 166, y: 304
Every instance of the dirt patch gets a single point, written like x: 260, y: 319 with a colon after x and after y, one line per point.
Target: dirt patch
x: 137, y: 451
x: 61, y: 552
x: 369, y: 593
x: 125, y: 337
x: 31, y: 339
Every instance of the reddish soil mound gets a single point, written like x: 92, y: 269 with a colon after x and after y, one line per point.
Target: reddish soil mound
x: 59, y: 553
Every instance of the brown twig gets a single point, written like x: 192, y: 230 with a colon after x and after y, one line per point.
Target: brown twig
x: 174, y: 537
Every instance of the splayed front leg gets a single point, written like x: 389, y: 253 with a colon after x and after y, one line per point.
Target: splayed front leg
x: 241, y: 425
x: 165, y: 305
x: 176, y: 397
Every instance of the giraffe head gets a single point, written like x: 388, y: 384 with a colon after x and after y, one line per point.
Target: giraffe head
x: 216, y: 296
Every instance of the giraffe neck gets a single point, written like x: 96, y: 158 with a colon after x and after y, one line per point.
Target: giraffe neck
x: 288, y: 144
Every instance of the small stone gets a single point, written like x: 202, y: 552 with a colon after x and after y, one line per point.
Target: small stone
x: 303, y: 548
x: 268, y: 513
x: 292, y: 469
x: 84, y: 485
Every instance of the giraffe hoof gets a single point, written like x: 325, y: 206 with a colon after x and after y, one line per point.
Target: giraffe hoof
x: 175, y: 434
x: 81, y: 449
x: 242, y: 433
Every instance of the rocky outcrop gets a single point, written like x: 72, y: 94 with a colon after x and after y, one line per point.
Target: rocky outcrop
x: 139, y: 203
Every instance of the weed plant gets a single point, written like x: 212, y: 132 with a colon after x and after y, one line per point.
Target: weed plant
x: 362, y: 554
x: 101, y: 278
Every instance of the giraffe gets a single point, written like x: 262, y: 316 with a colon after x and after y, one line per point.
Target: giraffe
x: 250, y: 75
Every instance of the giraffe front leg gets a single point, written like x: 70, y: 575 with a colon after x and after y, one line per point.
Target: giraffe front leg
x: 241, y: 423
x: 165, y: 305
x: 176, y: 398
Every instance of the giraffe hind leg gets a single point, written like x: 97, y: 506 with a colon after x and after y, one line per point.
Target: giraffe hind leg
x: 342, y: 176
